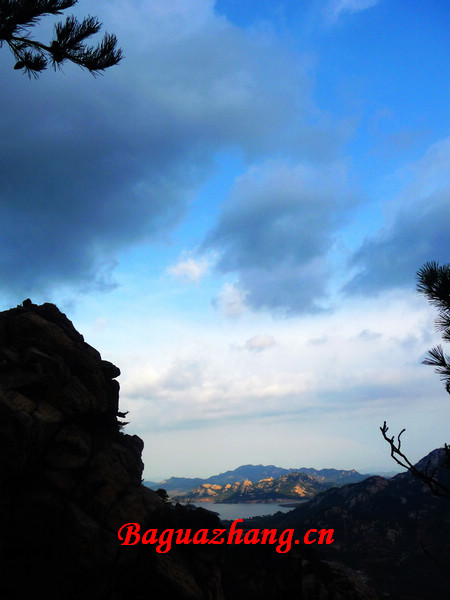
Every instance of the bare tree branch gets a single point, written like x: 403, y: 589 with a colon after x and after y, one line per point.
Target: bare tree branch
x: 433, y: 280
x: 429, y: 478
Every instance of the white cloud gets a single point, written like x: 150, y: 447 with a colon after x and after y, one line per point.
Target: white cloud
x: 189, y: 269
x: 183, y: 376
x: 185, y: 384
x: 369, y: 335
x: 258, y: 343
x: 336, y: 8
x: 231, y: 300
x: 352, y: 375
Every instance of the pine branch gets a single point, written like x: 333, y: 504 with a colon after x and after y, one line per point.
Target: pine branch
x: 71, y: 34
x: 31, y: 63
x: 434, y: 282
x: 441, y: 362
x: 17, y: 16
x: 102, y: 57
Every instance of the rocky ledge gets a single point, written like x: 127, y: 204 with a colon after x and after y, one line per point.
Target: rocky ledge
x: 70, y: 478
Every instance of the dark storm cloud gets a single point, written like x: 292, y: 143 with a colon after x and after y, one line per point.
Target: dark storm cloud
x: 392, y: 259
x: 76, y: 185
x: 277, y: 230
x: 419, y: 232
x: 91, y: 166
x: 286, y: 289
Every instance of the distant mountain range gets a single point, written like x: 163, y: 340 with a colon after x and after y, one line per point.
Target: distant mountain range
x: 257, y: 483
x: 394, y: 531
x: 292, y: 486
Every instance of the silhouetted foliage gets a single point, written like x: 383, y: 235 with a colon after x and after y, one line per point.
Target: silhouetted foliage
x: 17, y: 17
x: 122, y: 424
x: 162, y: 493
x: 434, y: 283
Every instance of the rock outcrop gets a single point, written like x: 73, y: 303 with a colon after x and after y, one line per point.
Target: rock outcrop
x: 70, y: 478
x: 179, y: 486
x: 293, y: 486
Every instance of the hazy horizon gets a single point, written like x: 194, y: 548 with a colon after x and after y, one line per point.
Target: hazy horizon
x: 363, y: 472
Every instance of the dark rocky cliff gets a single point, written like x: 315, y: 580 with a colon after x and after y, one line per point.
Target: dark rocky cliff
x: 70, y: 478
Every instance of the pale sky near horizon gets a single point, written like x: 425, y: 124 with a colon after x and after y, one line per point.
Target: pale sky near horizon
x: 235, y: 216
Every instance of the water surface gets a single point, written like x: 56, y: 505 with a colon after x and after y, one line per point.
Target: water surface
x: 243, y: 510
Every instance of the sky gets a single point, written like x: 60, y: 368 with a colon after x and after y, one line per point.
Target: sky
x: 235, y: 216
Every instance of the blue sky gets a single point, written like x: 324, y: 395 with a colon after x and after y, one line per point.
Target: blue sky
x: 235, y: 215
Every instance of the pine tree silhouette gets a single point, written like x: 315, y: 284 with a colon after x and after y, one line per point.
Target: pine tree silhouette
x: 433, y: 281
x: 17, y: 17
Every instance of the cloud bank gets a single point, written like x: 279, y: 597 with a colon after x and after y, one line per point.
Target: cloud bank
x: 276, y: 231
x: 417, y: 234
x: 91, y: 167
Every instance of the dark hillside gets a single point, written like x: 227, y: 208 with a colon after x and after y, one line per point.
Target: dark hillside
x: 395, y: 531
x: 70, y: 478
